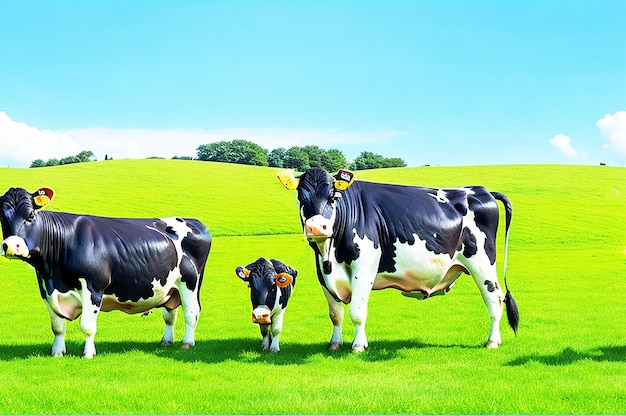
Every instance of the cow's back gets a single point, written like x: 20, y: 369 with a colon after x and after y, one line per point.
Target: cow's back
x: 388, y: 214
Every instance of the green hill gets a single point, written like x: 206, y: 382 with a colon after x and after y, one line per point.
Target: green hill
x: 566, y: 269
x: 582, y: 205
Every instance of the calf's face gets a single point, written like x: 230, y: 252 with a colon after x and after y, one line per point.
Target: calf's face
x: 265, y: 279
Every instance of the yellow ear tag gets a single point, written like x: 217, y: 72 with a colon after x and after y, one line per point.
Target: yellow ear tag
x: 43, y: 197
x: 288, y: 180
x: 343, y: 179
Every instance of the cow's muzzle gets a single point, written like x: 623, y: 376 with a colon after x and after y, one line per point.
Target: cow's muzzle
x: 262, y: 315
x: 318, y: 227
x: 15, y: 246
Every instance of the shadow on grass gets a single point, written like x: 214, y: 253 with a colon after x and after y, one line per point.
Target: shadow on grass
x: 232, y: 349
x: 570, y: 356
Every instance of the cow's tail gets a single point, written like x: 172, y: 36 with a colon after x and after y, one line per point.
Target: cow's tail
x: 512, y: 312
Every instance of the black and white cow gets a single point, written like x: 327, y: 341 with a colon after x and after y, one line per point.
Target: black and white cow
x: 87, y: 264
x: 419, y: 240
x: 271, y: 284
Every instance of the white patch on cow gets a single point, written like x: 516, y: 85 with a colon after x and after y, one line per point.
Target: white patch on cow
x: 67, y: 304
x: 441, y: 196
x: 418, y: 269
x: 161, y: 294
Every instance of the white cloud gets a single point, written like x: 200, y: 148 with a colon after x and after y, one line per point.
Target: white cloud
x: 562, y: 143
x: 137, y: 143
x: 20, y: 143
x: 142, y: 143
x: 614, y: 127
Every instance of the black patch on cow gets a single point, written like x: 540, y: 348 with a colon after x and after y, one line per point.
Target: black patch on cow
x: 468, y: 242
x: 490, y: 285
x: 188, y: 272
x: 486, y: 215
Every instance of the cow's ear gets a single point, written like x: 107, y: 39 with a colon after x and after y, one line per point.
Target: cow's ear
x: 42, y: 197
x: 243, y: 273
x: 281, y: 267
x: 343, y: 179
x: 283, y: 280
x: 288, y: 180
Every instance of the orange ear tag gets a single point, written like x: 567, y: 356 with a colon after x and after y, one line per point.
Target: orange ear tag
x: 283, y: 280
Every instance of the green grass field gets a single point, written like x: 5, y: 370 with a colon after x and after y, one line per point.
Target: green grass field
x: 567, y: 271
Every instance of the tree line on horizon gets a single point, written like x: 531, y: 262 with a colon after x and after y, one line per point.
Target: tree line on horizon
x: 299, y: 158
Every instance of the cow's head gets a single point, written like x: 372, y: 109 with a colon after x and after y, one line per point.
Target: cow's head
x: 317, y: 192
x: 265, y: 278
x: 18, y: 215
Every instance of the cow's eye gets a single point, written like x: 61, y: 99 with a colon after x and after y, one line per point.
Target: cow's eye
x: 31, y: 217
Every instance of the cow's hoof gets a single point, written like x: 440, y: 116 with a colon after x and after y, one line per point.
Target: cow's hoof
x: 492, y: 345
x: 166, y: 344
x: 334, y: 346
x: 187, y: 345
x: 358, y: 348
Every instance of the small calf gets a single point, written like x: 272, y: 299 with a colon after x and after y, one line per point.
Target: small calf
x: 271, y: 283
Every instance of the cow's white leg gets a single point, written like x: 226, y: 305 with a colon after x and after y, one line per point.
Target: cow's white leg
x: 169, y: 316
x: 487, y: 281
x: 58, y: 329
x: 361, y: 289
x: 89, y: 317
x: 191, y: 311
x: 265, y: 333
x: 336, y: 312
x: 276, y: 328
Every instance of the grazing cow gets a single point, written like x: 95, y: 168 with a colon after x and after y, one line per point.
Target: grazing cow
x: 87, y: 264
x: 271, y: 283
x: 419, y: 240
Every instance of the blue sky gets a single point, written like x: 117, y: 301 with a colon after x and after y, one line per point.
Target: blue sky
x: 432, y: 82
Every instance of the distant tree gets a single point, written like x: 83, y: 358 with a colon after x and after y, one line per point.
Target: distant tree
x: 333, y: 160
x: 86, y: 156
x: 236, y: 151
x: 394, y: 162
x: 276, y: 157
x: 182, y: 158
x: 367, y: 160
x: 296, y: 158
x: 315, y: 154
x: 370, y: 160
x: 38, y: 163
x: 68, y: 160
x: 213, y: 152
